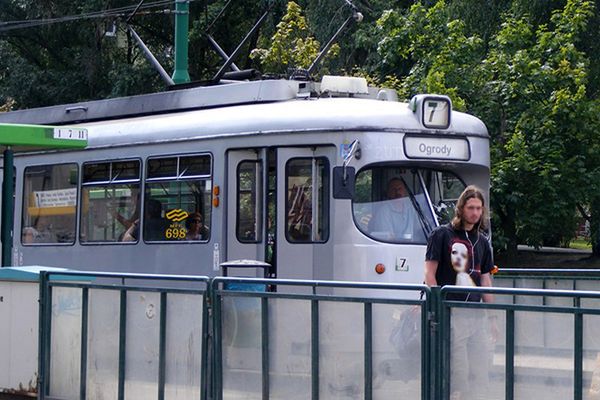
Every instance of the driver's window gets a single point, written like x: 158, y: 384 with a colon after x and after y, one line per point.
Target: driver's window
x: 390, y: 206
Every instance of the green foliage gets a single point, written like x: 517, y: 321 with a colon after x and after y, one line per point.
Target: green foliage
x: 292, y: 46
x: 443, y: 58
x: 529, y: 83
x: 70, y: 61
x: 529, y: 68
x: 537, y: 80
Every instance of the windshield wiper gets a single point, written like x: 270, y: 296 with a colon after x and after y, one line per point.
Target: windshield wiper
x: 424, y: 222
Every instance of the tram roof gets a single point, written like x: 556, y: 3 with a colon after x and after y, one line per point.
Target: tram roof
x: 246, y: 108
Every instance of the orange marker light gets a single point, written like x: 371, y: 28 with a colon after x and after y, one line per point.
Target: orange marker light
x: 380, y: 268
x: 215, y: 202
x: 216, y: 190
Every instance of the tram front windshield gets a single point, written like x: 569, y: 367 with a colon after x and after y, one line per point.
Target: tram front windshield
x: 402, y: 205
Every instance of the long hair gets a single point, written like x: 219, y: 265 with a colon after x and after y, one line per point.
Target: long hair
x: 470, y: 192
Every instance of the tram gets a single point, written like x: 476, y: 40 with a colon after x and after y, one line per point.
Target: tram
x: 297, y: 174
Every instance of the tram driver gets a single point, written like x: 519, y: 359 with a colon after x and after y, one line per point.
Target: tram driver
x: 394, y: 218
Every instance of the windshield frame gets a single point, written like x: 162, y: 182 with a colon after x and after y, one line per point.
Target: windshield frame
x: 418, y: 194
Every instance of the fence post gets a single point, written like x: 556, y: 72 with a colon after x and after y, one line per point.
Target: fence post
x: 436, y: 331
x: 217, y: 390
x: 43, y: 279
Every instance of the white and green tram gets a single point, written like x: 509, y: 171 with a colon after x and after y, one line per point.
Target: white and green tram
x: 296, y: 174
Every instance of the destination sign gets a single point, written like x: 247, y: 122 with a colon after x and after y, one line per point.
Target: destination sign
x: 437, y: 148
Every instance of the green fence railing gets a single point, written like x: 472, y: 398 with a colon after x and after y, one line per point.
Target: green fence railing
x: 120, y: 336
x: 548, y: 278
x: 129, y: 336
x: 546, y: 343
x: 319, y: 339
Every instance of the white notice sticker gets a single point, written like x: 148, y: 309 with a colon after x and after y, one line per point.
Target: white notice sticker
x: 70, y: 133
x: 216, y: 257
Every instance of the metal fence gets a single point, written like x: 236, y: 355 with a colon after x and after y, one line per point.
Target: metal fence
x: 123, y: 336
x: 543, y: 344
x: 548, y: 278
x: 320, y: 340
x: 117, y: 336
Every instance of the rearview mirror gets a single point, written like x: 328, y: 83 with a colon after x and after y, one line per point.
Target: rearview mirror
x: 343, y: 182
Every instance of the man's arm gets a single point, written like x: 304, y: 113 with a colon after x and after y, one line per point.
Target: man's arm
x: 486, y: 281
x: 430, y: 270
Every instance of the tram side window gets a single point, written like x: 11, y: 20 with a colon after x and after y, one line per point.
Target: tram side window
x: 110, y: 199
x: 49, y: 204
x: 248, y: 207
x: 178, y: 199
x: 307, y: 208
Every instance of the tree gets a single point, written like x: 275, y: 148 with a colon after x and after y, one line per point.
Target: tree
x: 69, y: 61
x: 292, y: 46
x: 529, y: 85
x: 437, y: 53
x: 536, y: 81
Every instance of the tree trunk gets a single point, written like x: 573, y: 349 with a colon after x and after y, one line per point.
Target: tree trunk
x: 509, y: 228
x: 512, y: 253
x: 595, y: 227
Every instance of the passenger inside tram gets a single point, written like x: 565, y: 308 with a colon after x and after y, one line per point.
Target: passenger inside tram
x: 196, y: 230
x: 153, y: 224
x: 127, y: 221
x: 30, y: 235
x: 45, y: 231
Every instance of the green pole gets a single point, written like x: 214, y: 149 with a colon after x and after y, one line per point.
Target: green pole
x: 182, y: 21
x: 7, y: 208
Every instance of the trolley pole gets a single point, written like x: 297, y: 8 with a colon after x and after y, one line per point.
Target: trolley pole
x: 7, y: 208
x: 182, y: 21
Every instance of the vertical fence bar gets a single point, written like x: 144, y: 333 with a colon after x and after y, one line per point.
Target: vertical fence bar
x: 265, y: 347
x: 578, y: 351
x: 428, y: 328
x: 204, y: 357
x: 314, y: 334
x: 446, y: 354
x: 84, y: 340
x: 218, y: 349
x: 48, y: 336
x: 162, y: 345
x: 438, y: 355
x: 510, y: 355
x: 43, y: 332
x: 122, y: 342
x: 368, y: 351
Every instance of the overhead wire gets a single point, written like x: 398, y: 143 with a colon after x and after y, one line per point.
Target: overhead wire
x: 110, y: 13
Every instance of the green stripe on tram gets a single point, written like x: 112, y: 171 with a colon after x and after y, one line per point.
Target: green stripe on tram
x: 43, y: 136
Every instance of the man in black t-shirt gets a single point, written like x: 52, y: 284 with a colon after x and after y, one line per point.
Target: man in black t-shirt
x: 460, y: 254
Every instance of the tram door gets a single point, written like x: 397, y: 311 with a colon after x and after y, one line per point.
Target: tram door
x: 303, y: 245
x: 245, y: 206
